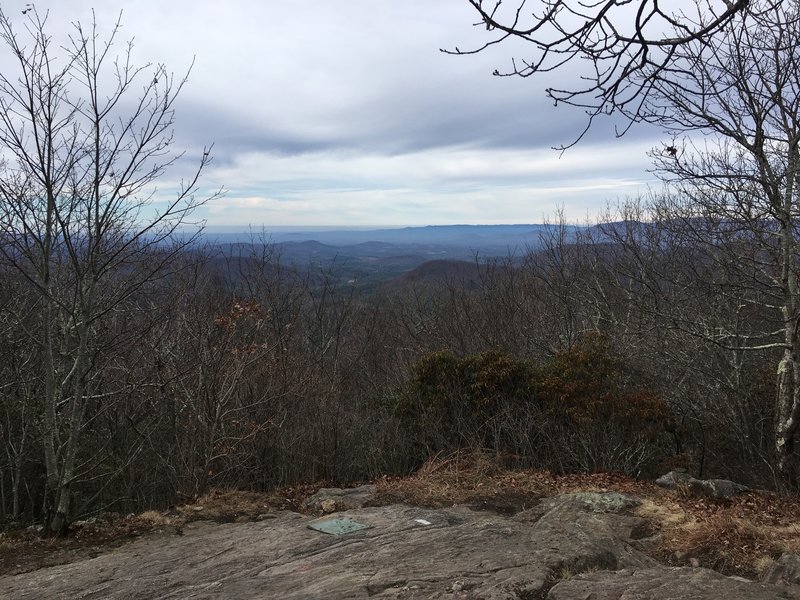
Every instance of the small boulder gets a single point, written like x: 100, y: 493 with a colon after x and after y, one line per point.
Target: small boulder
x: 718, y: 489
x: 673, y: 479
x: 605, y: 502
x: 786, y: 570
x: 329, y: 500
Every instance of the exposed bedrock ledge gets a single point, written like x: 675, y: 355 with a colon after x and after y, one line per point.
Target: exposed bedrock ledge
x: 407, y: 552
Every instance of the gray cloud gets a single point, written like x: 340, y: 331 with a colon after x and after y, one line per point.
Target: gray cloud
x: 318, y: 105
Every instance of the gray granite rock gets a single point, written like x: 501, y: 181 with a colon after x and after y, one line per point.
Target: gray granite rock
x: 665, y: 583
x: 786, y: 570
x: 718, y: 489
x: 407, y: 552
x: 329, y: 500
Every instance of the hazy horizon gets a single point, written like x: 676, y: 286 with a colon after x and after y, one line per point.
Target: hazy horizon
x: 243, y: 228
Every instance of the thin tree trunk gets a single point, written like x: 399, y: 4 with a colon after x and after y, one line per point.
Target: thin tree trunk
x: 788, y: 369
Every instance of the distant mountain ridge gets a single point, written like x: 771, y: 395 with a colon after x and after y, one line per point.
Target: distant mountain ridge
x: 373, y: 257
x: 491, y: 240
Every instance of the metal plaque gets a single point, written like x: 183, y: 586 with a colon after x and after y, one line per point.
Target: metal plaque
x: 337, y: 526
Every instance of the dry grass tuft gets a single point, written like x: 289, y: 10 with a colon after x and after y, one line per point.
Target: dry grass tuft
x: 462, y: 477
x: 226, y: 505
x: 153, y: 518
x: 470, y: 476
x: 474, y: 463
x: 663, y: 510
x: 739, y: 537
x: 727, y: 544
x: 762, y: 566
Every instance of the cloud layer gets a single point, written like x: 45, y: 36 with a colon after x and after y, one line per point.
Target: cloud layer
x: 327, y: 113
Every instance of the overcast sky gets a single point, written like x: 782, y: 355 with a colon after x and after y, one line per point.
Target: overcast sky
x: 347, y: 114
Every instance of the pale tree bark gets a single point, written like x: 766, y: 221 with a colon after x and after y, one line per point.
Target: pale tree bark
x: 734, y: 196
x: 788, y: 397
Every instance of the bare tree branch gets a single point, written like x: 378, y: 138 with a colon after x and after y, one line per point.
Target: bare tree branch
x: 618, y: 48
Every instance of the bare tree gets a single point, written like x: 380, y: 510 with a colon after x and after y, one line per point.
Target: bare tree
x: 626, y: 45
x: 735, y: 198
x: 84, y: 135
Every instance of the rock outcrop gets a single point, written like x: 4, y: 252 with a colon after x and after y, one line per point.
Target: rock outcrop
x: 328, y: 500
x: 407, y: 552
x: 571, y: 546
x: 786, y: 570
x: 718, y: 489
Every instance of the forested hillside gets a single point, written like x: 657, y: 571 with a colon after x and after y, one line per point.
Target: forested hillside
x: 600, y: 354
x: 140, y: 368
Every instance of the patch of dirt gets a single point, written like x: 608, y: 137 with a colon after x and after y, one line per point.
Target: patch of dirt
x: 24, y: 550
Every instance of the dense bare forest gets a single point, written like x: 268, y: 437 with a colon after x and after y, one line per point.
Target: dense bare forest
x: 244, y: 372
x: 140, y: 368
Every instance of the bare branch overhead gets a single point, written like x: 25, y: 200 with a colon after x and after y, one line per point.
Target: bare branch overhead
x: 619, y: 46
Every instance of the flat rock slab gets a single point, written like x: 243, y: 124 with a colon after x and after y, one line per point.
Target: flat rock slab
x: 406, y: 553
x: 663, y: 583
